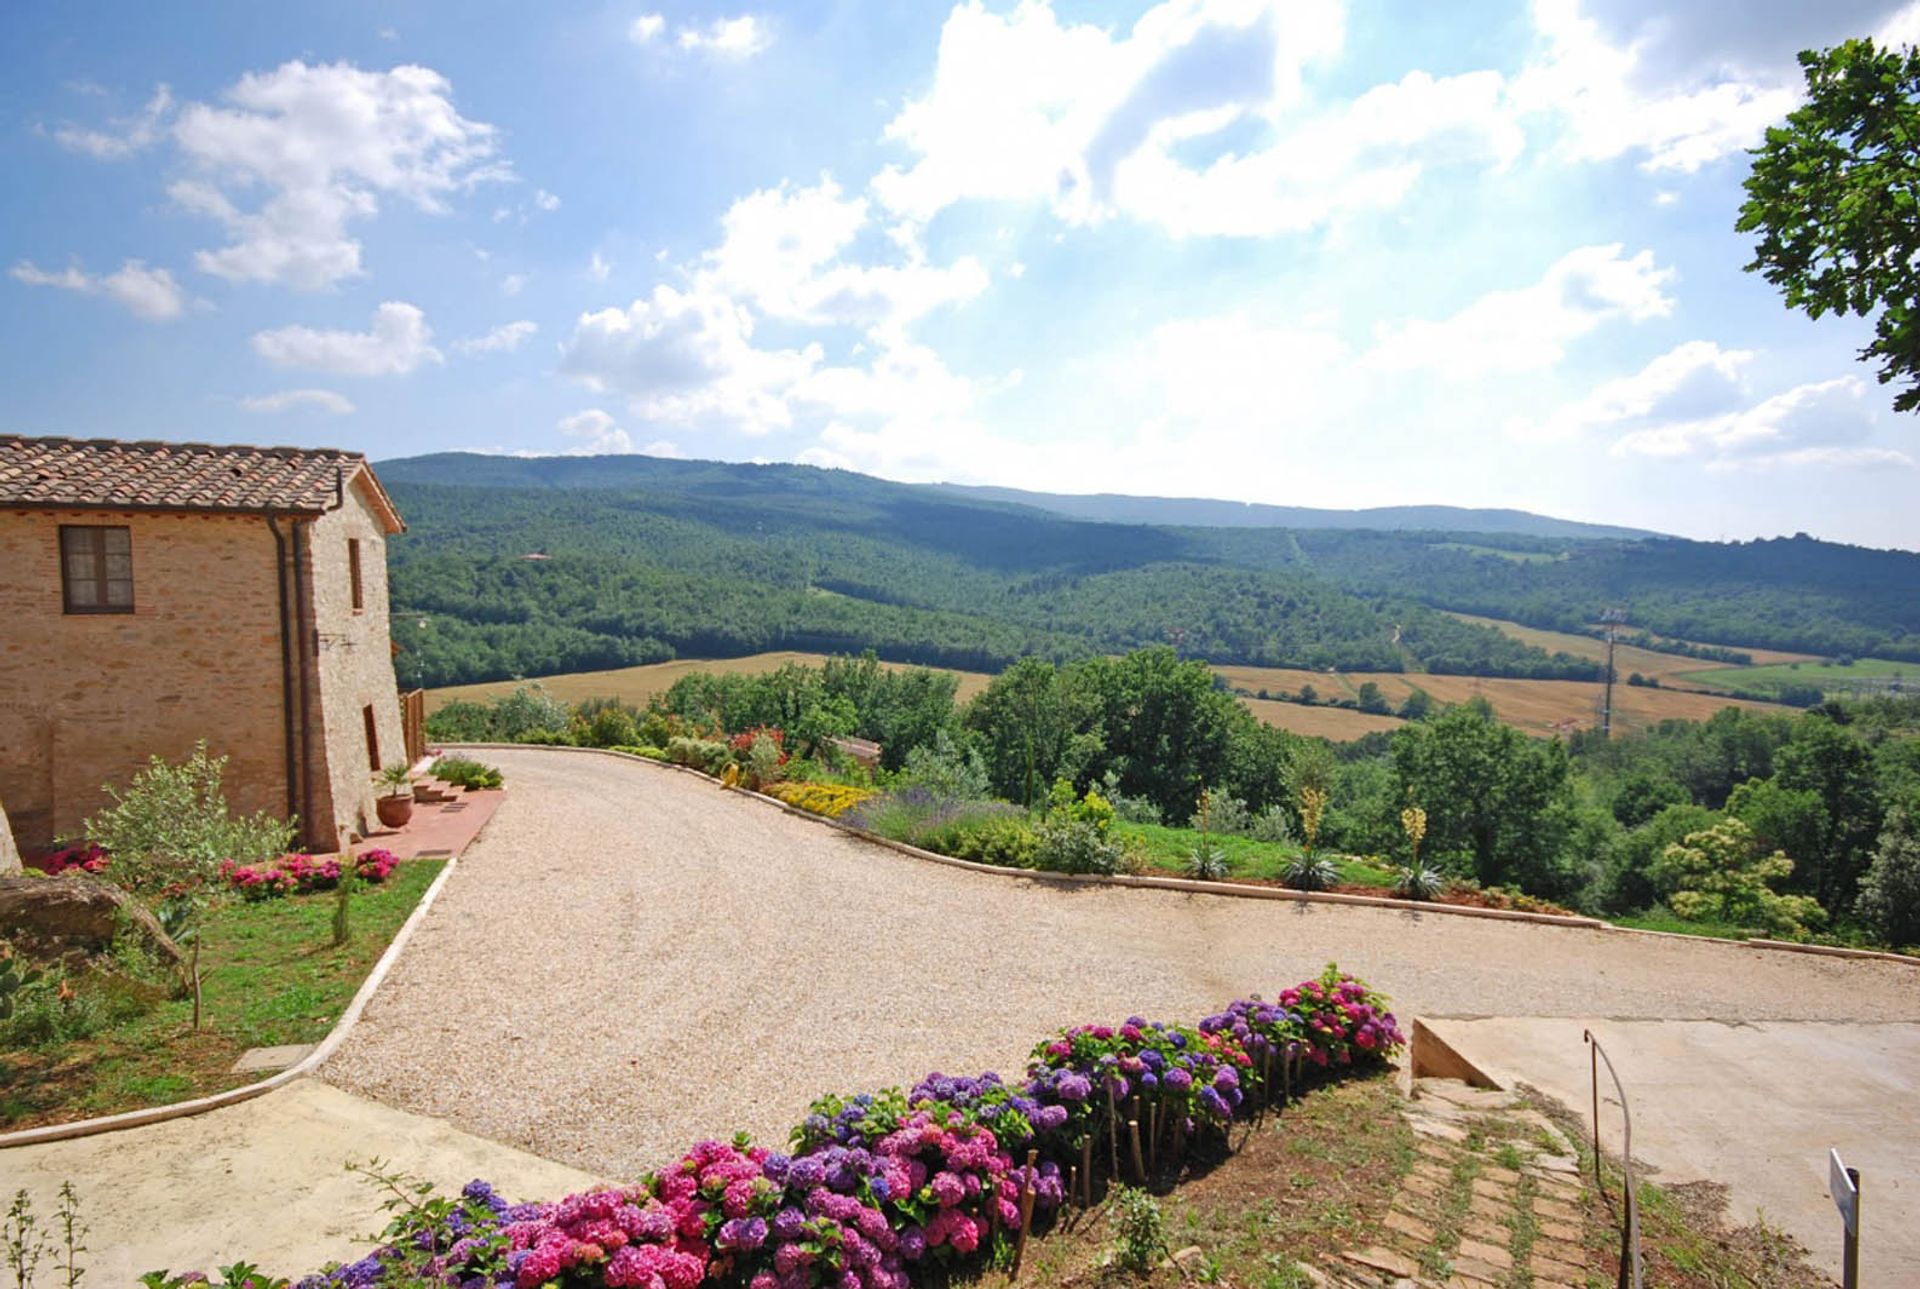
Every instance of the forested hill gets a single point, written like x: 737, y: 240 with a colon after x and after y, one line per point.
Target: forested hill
x: 1199, y: 512
x: 531, y: 566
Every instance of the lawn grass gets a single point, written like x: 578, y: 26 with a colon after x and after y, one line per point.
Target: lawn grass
x: 1660, y: 918
x: 1167, y: 850
x: 271, y: 976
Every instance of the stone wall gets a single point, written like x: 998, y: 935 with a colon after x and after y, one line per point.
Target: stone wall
x: 85, y: 699
x: 354, y: 659
x: 9, y: 853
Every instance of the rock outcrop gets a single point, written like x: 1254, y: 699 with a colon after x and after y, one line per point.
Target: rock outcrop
x: 78, y: 912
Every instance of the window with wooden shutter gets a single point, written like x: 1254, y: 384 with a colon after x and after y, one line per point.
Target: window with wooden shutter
x: 96, y: 568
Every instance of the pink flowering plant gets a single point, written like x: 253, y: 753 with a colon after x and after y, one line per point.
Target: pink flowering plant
x: 1343, y: 1021
x: 302, y: 874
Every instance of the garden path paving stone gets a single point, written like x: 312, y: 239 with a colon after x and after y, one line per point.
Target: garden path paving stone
x: 1472, y: 1246
x: 266, y: 1060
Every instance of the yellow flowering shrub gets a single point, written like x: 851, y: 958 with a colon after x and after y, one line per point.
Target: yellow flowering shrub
x: 829, y: 799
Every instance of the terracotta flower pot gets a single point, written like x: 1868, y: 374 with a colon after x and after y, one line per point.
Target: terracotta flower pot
x: 394, y: 812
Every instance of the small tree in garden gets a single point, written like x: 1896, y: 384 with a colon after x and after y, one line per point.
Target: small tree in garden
x: 1721, y: 874
x: 170, y: 827
x: 1889, y: 900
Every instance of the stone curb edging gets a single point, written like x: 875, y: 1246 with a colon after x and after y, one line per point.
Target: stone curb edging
x: 1233, y: 890
x: 233, y: 1096
x: 1832, y: 951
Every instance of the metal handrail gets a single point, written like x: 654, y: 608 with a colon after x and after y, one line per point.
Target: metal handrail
x: 1629, y: 1277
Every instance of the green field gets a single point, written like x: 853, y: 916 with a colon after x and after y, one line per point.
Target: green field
x: 1823, y: 675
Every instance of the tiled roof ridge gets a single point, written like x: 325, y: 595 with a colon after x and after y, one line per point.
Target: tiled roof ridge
x: 182, y: 445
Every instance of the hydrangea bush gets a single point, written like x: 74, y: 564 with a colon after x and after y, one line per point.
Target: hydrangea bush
x: 941, y: 1176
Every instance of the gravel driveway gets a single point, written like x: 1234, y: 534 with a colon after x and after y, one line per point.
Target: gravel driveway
x: 631, y: 959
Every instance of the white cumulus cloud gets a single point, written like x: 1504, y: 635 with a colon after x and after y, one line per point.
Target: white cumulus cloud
x: 741, y: 37
x: 687, y: 357
x: 398, y: 342
x: 287, y: 400
x: 505, y: 338
x: 124, y: 136
x: 1528, y: 328
x: 295, y: 155
x: 148, y: 293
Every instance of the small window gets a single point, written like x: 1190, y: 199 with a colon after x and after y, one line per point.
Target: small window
x: 373, y: 738
x: 353, y: 571
x: 96, y: 568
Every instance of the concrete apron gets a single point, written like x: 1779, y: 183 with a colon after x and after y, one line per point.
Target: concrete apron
x: 263, y: 1180
x: 1752, y: 1105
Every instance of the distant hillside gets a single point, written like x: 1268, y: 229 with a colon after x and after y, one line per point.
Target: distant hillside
x: 535, y: 566
x: 1195, y: 512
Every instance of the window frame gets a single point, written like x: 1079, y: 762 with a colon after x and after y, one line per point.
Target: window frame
x: 99, y: 577
x: 355, y: 577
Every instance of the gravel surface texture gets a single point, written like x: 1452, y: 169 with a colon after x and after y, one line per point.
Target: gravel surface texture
x: 631, y: 959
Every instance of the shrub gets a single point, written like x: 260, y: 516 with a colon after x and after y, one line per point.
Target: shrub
x: 1069, y: 845
x: 829, y: 799
x: 704, y: 755
x: 919, y: 817
x: 641, y: 749
x: 528, y: 710
x: 1140, y: 1234
x: 611, y: 725
x: 763, y: 762
x: 1206, y: 863
x: 1305, y: 873
x: 1720, y: 875
x: 1272, y: 825
x: 462, y: 722
x: 947, y: 769
x: 171, y: 828
x: 1008, y: 843
x: 1223, y: 814
x: 1889, y: 900
x: 1133, y: 810
x: 464, y: 772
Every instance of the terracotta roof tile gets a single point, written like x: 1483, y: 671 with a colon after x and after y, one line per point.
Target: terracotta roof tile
x: 149, y: 475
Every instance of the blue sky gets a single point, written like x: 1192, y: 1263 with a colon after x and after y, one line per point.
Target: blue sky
x: 1294, y: 251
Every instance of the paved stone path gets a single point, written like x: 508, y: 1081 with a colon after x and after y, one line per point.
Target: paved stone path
x: 1494, y: 1199
x: 631, y: 959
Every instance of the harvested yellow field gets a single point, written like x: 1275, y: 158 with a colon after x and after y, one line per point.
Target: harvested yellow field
x: 636, y: 685
x: 1537, y: 706
x: 1668, y: 668
x: 1340, y: 724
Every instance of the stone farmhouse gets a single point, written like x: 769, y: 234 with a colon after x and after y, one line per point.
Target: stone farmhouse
x: 156, y: 594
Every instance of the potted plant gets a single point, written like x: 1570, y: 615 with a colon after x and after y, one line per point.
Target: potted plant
x: 394, y: 803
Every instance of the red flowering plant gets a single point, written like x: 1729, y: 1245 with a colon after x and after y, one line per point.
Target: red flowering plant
x: 77, y: 857
x: 1343, y: 1020
x: 302, y: 874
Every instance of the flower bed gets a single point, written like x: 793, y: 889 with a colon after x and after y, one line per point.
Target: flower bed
x: 80, y: 857
x: 882, y: 1188
x: 301, y: 874
x: 829, y: 799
